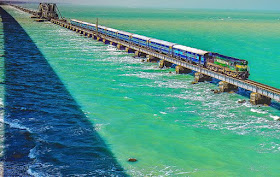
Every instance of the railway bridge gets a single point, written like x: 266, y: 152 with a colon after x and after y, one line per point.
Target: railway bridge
x: 261, y: 93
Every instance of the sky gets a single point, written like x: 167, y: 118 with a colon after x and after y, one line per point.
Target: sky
x: 201, y: 4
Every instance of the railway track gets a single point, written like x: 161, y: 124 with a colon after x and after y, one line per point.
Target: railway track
x: 263, y: 86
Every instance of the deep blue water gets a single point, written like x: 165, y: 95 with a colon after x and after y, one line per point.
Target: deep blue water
x: 65, y: 142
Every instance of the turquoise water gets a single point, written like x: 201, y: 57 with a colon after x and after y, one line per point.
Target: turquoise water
x: 172, y: 127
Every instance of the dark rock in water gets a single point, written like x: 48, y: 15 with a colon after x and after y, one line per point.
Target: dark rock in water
x: 27, y: 136
x: 212, y: 90
x: 217, y: 91
x: 17, y: 155
x: 132, y: 160
x: 170, y: 72
x: 242, y: 101
x: 143, y: 60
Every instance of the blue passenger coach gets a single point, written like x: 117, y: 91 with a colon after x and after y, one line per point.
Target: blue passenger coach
x: 140, y: 40
x: 125, y: 36
x: 111, y: 32
x: 190, y: 54
x: 92, y: 27
x: 161, y: 46
x: 101, y: 29
x: 76, y: 22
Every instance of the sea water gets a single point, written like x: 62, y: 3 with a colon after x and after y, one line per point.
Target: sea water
x: 173, y: 128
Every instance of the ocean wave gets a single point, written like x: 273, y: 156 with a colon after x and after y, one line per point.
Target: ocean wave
x: 15, y: 125
x: 258, y: 111
x: 274, y: 117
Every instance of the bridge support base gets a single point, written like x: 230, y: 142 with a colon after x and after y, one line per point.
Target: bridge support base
x: 256, y: 98
x: 120, y: 47
x: 105, y: 41
x: 112, y: 43
x: 89, y: 35
x: 227, y: 87
x: 139, y: 54
x: 129, y: 50
x: 98, y: 38
x: 182, y: 70
x: 199, y: 77
x: 164, y: 63
x: 152, y: 59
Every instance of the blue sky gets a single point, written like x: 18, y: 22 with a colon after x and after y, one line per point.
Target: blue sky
x: 208, y: 4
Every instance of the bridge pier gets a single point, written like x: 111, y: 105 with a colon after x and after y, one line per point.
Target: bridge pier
x: 120, y: 47
x: 129, y: 50
x: 98, y: 38
x: 105, y: 41
x: 152, y: 59
x: 112, y: 43
x: 89, y: 35
x: 182, y: 70
x: 139, y: 54
x: 199, y: 77
x: 164, y: 63
x: 226, y: 87
x: 256, y: 98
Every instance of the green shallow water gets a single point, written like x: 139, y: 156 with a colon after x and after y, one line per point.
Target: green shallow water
x: 171, y: 127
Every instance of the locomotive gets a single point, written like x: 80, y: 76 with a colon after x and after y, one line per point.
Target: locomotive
x: 229, y: 66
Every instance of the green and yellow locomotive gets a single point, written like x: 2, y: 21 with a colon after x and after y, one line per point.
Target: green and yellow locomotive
x: 230, y: 66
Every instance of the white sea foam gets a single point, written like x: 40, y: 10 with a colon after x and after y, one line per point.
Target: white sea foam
x: 274, y: 117
x: 32, y: 153
x: 258, y: 111
x: 15, y: 125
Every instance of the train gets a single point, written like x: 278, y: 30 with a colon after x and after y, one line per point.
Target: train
x: 230, y: 66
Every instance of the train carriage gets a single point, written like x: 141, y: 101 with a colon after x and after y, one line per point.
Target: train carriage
x: 161, y: 46
x: 76, y: 22
x: 101, y: 29
x: 189, y: 54
x: 125, y: 36
x: 92, y: 27
x: 111, y: 32
x: 140, y: 40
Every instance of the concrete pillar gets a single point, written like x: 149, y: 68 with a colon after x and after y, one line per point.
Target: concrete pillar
x: 226, y: 87
x: 119, y: 46
x: 89, y: 35
x: 182, y: 70
x: 164, y: 63
x: 152, y: 59
x: 199, y: 77
x: 256, y: 98
x: 129, y: 50
x: 105, y: 41
x: 98, y: 38
x: 139, y: 54
x: 77, y: 30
